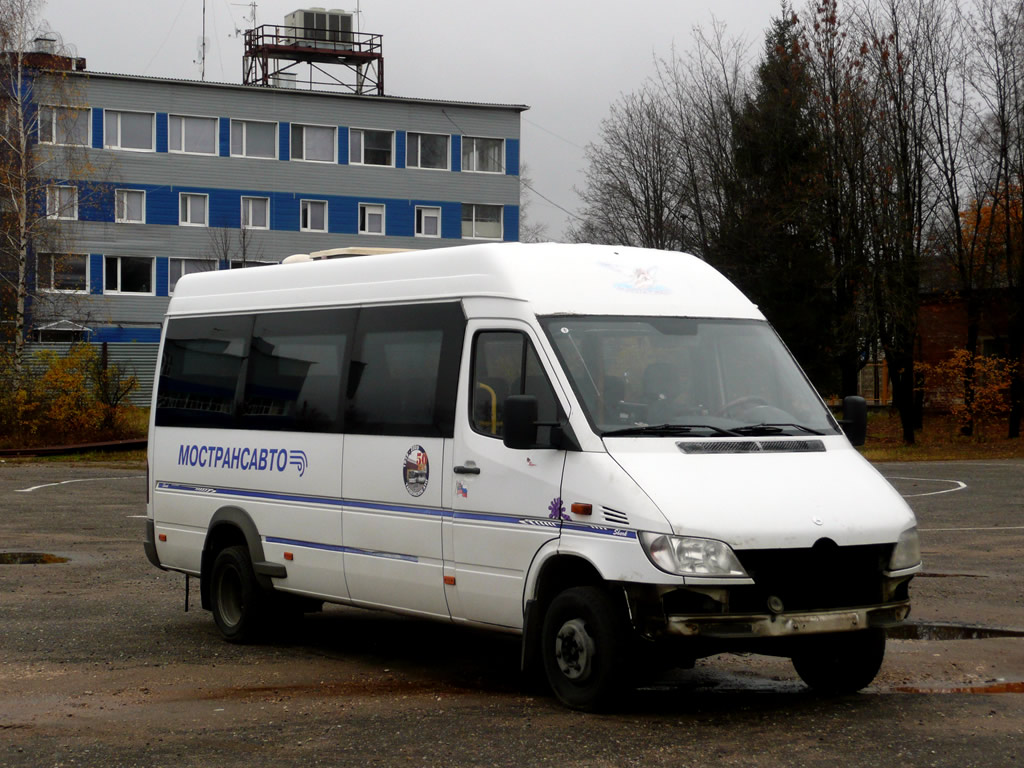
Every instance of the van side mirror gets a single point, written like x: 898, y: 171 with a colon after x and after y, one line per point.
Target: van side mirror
x: 520, y: 417
x: 855, y: 419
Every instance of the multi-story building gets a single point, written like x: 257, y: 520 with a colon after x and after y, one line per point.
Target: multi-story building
x: 181, y: 176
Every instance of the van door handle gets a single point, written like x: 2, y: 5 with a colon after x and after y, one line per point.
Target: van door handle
x: 460, y: 470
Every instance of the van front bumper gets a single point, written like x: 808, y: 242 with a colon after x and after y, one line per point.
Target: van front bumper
x: 740, y: 626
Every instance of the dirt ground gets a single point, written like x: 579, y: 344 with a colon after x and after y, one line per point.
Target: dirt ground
x: 101, y: 665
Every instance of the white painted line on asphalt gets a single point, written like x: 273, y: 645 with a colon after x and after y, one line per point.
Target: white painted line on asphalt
x: 139, y: 517
x: 957, y: 486
x: 992, y: 528
x: 83, y: 480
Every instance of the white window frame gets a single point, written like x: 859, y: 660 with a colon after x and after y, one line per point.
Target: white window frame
x: 419, y: 150
x: 474, y: 154
x: 501, y: 221
x: 247, y: 202
x: 291, y: 143
x: 118, y: 291
x: 362, y: 147
x: 245, y: 139
x: 210, y: 266
x: 56, y: 208
x: 188, y: 209
x: 53, y: 122
x: 121, y: 218
x: 365, y: 209
x: 421, y: 213
x: 109, y: 113
x: 303, y: 204
x: 181, y: 138
x: 53, y: 274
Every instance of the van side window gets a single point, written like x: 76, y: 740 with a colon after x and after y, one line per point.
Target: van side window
x: 202, y: 367
x: 295, y: 371
x: 404, y: 371
x: 505, y: 363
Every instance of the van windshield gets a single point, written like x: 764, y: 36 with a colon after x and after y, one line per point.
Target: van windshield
x: 686, y: 377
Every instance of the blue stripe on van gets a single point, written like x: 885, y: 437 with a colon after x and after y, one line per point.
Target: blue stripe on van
x: 344, y: 550
x: 591, y: 528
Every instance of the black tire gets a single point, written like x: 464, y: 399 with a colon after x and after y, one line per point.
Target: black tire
x: 583, y: 648
x: 835, y: 665
x: 239, y: 603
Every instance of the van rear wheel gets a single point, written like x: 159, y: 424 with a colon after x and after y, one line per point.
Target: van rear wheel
x: 841, y: 663
x: 583, y: 643
x: 239, y: 603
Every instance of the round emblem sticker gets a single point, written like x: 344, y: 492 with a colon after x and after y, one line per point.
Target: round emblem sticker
x: 416, y: 470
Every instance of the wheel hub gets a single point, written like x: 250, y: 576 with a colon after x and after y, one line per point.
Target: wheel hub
x: 574, y: 649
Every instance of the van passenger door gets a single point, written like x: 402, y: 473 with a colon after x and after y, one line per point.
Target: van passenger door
x: 399, y: 407
x: 507, y: 502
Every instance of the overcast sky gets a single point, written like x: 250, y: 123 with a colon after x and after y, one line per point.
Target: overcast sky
x: 568, y: 60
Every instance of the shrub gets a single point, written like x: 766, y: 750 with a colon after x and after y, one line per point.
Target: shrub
x: 946, y: 385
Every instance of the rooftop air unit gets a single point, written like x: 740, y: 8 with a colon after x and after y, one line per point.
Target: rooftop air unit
x: 319, y: 28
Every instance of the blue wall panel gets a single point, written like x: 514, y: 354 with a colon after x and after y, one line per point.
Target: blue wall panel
x: 97, y: 128
x: 161, y: 276
x: 451, y: 220
x: 512, y: 157
x: 225, y: 137
x: 161, y: 131
x: 284, y: 138
x: 284, y: 211
x: 400, y: 149
x: 456, y: 153
x: 342, y: 145
x: 95, y: 273
x: 114, y: 335
x: 511, y: 223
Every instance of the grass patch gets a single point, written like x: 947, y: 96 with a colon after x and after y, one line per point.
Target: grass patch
x: 939, y: 440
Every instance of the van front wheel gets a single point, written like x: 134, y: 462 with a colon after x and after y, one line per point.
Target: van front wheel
x: 239, y: 603
x: 583, y: 645
x: 842, y: 663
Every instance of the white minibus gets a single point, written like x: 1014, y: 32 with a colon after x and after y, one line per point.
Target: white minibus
x: 606, y: 450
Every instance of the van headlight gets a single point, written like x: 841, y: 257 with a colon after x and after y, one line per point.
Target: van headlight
x: 907, y: 552
x: 688, y: 556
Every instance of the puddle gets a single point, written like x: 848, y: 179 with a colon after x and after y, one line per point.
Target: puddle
x: 997, y: 687
x: 30, y: 558
x: 948, y: 630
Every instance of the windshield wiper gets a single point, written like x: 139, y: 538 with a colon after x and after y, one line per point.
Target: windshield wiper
x: 772, y: 429
x: 667, y: 430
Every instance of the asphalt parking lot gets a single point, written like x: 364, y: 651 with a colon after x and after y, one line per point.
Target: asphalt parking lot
x: 101, y: 665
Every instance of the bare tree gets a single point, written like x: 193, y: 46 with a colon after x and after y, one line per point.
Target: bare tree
x: 631, y: 193
x: 530, y: 231
x: 997, y: 75
x: 43, y: 167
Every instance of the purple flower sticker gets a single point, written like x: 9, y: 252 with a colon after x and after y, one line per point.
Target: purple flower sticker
x: 557, y: 510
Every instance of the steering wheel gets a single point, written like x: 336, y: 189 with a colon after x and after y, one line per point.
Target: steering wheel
x: 745, y: 400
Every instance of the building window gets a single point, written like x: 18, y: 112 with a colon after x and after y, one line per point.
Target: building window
x: 481, y: 222
x: 193, y: 209
x: 253, y: 139
x: 62, y: 272
x: 62, y: 202
x: 178, y: 268
x: 371, y: 147
x: 255, y: 213
x: 428, y: 221
x: 64, y: 125
x: 482, y: 155
x: 427, y: 150
x: 192, y: 135
x: 371, y: 219
x: 130, y: 206
x: 315, y: 143
x: 129, y: 130
x: 313, y: 216
x: 127, y: 274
